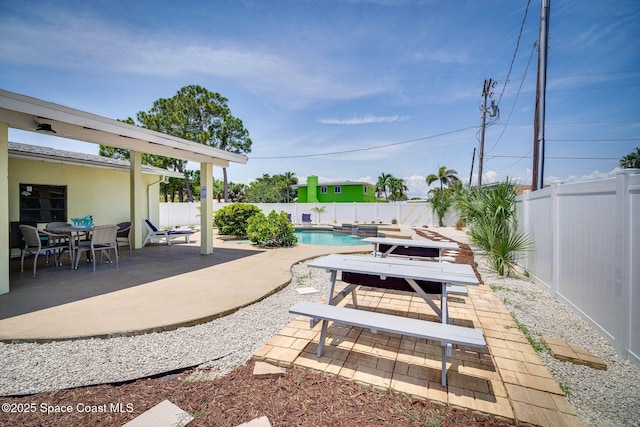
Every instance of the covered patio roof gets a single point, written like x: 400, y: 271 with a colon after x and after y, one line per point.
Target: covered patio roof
x: 35, y: 115
x: 26, y: 113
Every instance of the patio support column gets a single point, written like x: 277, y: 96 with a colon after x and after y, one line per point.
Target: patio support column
x: 4, y: 208
x: 206, y: 208
x: 136, y: 193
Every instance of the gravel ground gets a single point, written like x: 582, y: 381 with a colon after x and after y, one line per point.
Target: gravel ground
x: 220, y: 345
x: 601, y: 398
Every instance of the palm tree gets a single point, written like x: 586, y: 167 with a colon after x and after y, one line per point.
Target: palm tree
x: 319, y: 210
x: 287, y: 180
x: 384, y: 182
x: 445, y: 176
x: 398, y: 189
x: 440, y: 200
x: 492, y: 220
x: 631, y: 160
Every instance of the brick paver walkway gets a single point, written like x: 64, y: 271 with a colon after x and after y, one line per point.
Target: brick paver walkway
x: 509, y: 380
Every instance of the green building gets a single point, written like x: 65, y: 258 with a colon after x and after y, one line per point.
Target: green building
x: 339, y: 191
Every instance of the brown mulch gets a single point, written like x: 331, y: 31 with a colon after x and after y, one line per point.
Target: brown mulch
x: 299, y: 398
x: 465, y: 255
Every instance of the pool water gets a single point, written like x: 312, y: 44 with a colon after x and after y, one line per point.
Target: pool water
x: 328, y: 238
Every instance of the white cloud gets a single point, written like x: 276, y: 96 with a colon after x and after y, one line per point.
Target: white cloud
x: 595, y: 175
x: 417, y: 186
x: 488, y: 177
x: 365, y: 120
x: 70, y: 41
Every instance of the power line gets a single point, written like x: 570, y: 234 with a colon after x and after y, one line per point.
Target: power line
x: 556, y: 157
x: 593, y: 88
x: 577, y: 123
x: 513, y: 58
x: 354, y: 150
x: 562, y: 76
x: 517, y: 161
x: 533, y: 49
x: 595, y: 140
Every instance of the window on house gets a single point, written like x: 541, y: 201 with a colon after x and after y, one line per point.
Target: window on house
x: 43, y: 203
x: 337, y: 189
x: 366, y: 189
x: 323, y: 190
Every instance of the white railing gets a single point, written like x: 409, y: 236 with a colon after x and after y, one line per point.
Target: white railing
x: 587, y: 252
x: 406, y: 213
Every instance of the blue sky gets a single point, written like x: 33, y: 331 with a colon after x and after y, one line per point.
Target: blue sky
x: 348, y: 89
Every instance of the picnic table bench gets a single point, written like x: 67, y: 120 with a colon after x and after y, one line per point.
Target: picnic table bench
x: 424, y: 278
x: 436, y: 331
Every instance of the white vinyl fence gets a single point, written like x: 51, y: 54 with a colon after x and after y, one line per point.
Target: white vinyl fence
x: 586, y: 244
x: 406, y: 213
x: 587, y: 252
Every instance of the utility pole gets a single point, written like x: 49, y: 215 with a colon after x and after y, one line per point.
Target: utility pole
x: 538, y: 152
x: 473, y: 159
x: 486, y: 92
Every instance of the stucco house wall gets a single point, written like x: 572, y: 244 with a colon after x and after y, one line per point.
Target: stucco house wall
x: 349, y: 192
x: 103, y: 193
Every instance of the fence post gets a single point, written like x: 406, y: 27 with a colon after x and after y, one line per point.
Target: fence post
x: 525, y: 226
x: 622, y: 250
x: 555, y: 227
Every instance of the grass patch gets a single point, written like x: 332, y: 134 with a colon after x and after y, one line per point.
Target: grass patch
x: 407, y: 410
x: 302, y: 278
x: 496, y: 288
x: 537, y: 345
x: 565, y: 389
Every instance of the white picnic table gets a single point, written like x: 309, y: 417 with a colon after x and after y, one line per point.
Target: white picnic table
x: 408, y: 247
x: 384, y: 268
x: 410, y: 271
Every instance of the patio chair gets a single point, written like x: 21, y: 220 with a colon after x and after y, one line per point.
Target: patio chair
x: 53, y: 226
x: 103, y: 239
x: 41, y: 242
x: 306, y: 219
x: 153, y: 233
x: 124, y: 234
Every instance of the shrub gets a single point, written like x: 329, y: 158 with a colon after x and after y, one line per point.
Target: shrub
x: 441, y: 200
x: 232, y: 219
x: 492, y: 223
x: 273, y: 230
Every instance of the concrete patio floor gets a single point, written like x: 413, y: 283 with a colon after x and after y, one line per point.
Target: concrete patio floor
x: 164, y: 287
x: 160, y: 288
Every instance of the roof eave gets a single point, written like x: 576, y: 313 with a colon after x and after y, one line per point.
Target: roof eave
x: 23, y: 112
x: 145, y: 169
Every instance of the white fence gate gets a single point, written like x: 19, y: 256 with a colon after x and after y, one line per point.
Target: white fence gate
x: 587, y: 252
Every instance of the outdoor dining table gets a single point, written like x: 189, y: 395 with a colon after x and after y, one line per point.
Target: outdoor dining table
x: 414, y: 273
x: 408, y: 247
x: 74, y: 233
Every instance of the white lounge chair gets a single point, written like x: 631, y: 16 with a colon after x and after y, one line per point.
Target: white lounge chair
x: 153, y: 234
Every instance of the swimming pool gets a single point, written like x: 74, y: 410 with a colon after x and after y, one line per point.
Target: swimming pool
x: 328, y: 238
